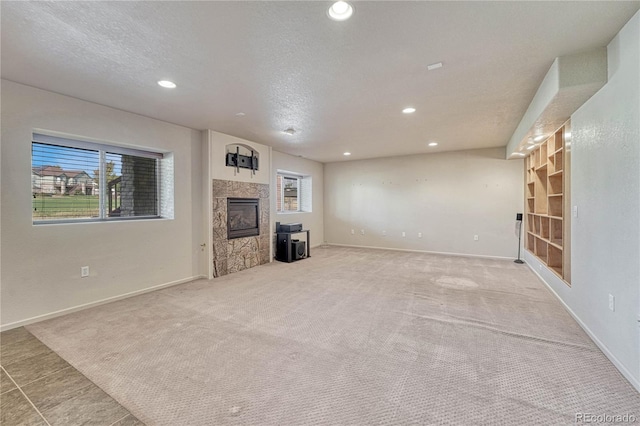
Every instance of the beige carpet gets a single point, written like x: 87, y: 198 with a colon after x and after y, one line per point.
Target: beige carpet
x: 348, y: 336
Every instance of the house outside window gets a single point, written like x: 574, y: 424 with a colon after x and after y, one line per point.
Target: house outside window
x: 290, y: 194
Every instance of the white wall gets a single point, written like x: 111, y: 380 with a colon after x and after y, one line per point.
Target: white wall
x: 605, y: 182
x: 448, y: 197
x: 314, y: 220
x: 41, y: 264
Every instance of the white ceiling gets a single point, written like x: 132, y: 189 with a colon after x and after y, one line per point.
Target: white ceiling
x: 341, y: 85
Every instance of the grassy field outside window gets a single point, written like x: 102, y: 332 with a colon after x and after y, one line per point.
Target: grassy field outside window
x: 66, y: 206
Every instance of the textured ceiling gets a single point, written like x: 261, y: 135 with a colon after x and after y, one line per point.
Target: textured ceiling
x: 341, y: 85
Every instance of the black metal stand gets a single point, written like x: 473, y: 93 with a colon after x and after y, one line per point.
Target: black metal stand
x: 286, y: 241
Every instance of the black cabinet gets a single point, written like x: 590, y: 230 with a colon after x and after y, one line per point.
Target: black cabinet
x: 289, y: 249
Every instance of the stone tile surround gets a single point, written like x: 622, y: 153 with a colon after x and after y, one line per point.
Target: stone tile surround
x: 241, y: 253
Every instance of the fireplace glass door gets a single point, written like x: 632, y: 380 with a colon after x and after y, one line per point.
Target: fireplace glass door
x: 243, y: 218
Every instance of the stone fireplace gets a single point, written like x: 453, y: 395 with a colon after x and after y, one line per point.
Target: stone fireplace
x: 241, y: 235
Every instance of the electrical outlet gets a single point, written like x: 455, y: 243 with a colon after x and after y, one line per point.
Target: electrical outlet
x: 384, y: 232
x: 362, y: 232
x: 475, y: 238
x: 84, y: 271
x: 612, y: 303
x: 419, y: 234
x: 404, y: 234
x: 353, y: 231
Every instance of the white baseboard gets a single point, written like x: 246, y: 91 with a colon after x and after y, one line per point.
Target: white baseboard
x: 605, y: 350
x: 66, y: 311
x: 482, y: 256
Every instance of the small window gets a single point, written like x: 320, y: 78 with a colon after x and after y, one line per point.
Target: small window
x: 76, y: 181
x: 293, y: 192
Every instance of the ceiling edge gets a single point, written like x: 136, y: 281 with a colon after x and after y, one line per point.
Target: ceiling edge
x: 568, y: 84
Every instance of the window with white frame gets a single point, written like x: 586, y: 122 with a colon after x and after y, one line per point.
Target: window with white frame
x: 74, y: 180
x: 294, y: 193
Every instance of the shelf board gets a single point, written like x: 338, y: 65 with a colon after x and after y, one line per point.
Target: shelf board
x: 538, y: 236
x: 556, y: 173
x: 555, y: 217
x: 541, y: 167
x: 559, y: 194
x: 556, y: 243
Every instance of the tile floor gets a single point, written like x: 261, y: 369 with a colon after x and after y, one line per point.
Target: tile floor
x: 37, y: 387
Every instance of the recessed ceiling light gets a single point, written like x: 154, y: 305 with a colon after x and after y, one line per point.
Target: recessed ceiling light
x: 347, y: 154
x: 240, y: 114
x: 521, y: 154
x: 409, y: 110
x: 530, y: 147
x: 340, y: 11
x: 434, y: 66
x: 290, y: 131
x: 538, y: 138
x: 167, y: 84
x: 433, y: 143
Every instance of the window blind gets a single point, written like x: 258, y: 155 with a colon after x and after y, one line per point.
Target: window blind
x: 76, y: 180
